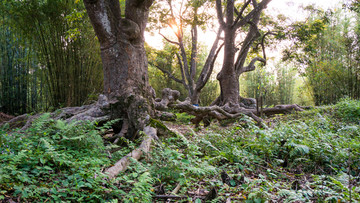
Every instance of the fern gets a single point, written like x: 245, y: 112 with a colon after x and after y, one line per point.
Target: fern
x: 299, y: 150
x: 141, y: 191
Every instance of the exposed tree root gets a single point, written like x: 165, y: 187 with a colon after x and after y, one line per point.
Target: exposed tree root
x: 18, y: 121
x: 5, y: 117
x: 204, y: 113
x: 168, y: 96
x: 222, y: 113
x: 95, y: 112
x: 144, y: 148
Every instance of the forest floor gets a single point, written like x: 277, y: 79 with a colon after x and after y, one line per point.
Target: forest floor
x: 310, y: 156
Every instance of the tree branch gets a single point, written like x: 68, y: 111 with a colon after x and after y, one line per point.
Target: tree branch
x: 230, y: 12
x: 203, y: 79
x: 194, y: 39
x: 209, y: 63
x: 168, y: 74
x: 190, y: 82
x: 170, y: 41
x: 240, y: 13
x: 182, y: 71
x: 255, y: 12
x: 236, y: 11
x: 220, y: 13
x: 249, y: 39
x: 263, y: 43
x: 251, y: 65
x: 254, y: 2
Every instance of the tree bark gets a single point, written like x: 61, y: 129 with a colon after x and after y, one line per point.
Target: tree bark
x: 123, y: 56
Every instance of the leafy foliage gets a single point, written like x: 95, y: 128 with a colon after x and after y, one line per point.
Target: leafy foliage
x: 348, y: 109
x: 54, y: 160
x: 327, y: 46
x: 48, y: 55
x: 275, y: 86
x: 307, y: 156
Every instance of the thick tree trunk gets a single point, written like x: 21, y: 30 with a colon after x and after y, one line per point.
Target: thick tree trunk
x: 195, y: 97
x: 123, y: 57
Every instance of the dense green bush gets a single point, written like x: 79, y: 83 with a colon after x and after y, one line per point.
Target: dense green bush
x: 348, y: 109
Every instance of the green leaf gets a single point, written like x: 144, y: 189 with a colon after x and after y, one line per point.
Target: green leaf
x: 185, y: 161
x: 232, y: 183
x: 198, y: 200
x: 42, y: 160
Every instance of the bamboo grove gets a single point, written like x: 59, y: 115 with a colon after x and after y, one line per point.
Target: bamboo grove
x: 49, y: 56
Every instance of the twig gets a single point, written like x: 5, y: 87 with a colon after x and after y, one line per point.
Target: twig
x: 169, y: 197
x: 177, y: 188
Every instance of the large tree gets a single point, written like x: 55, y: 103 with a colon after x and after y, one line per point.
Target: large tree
x: 235, y: 19
x: 191, y: 14
x: 123, y: 56
x: 127, y: 94
x: 232, y: 20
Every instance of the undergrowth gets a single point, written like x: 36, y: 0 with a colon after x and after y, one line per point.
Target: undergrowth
x: 54, y: 161
x: 311, y: 156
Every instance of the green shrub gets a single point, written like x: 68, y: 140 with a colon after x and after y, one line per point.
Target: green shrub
x: 348, y: 110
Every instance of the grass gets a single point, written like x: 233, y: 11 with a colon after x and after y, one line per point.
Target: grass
x: 311, y: 156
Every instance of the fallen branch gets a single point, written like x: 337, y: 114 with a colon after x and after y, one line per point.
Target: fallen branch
x: 282, y: 109
x: 177, y: 188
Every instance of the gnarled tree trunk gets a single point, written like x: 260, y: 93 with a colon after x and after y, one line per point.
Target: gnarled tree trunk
x: 123, y: 57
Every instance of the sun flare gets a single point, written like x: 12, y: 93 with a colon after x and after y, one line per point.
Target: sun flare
x: 175, y: 28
